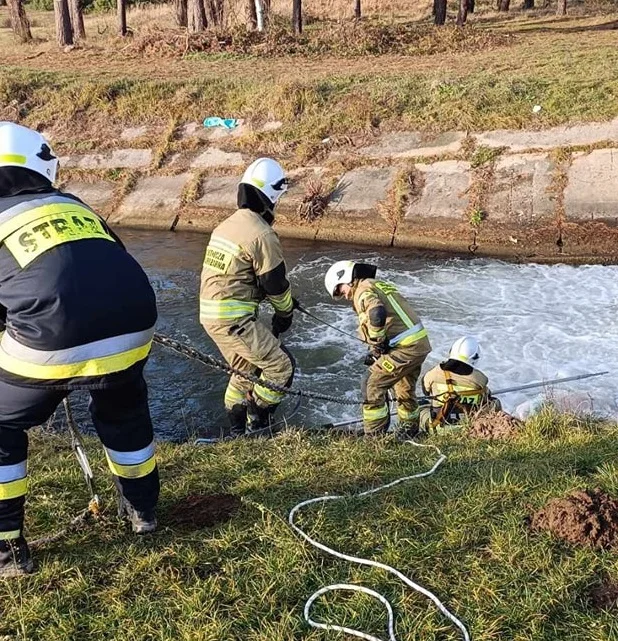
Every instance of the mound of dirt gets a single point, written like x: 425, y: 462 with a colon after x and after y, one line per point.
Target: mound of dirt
x: 585, y: 517
x: 494, y: 425
x: 204, y: 510
x: 605, y: 595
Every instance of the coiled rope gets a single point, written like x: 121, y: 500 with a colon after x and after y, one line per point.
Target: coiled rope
x: 376, y: 564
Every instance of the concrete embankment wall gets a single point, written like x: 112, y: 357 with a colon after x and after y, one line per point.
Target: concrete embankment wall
x: 549, y: 195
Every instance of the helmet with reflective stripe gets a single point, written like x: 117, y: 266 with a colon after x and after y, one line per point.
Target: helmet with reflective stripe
x: 341, y: 273
x: 268, y: 177
x: 23, y: 147
x: 466, y: 350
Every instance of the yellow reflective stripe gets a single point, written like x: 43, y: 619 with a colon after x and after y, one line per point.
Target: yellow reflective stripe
x: 11, y: 534
x: 13, y: 489
x: 233, y: 396
x: 19, y: 220
x: 375, y: 413
x: 442, y: 391
x: 222, y: 243
x: 269, y: 396
x: 411, y: 339
x: 91, y: 367
x: 386, y: 288
x: 137, y: 471
x: 376, y: 333
x: 282, y: 302
x: 226, y: 309
x: 405, y: 414
x: 18, y: 159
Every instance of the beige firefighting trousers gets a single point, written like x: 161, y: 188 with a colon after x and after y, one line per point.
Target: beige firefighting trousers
x: 251, y: 347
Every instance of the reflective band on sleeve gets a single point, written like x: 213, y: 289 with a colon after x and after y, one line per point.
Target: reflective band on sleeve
x: 11, y: 534
x: 214, y: 310
x: 283, y: 302
x: 233, y: 396
x: 376, y: 333
x: 13, y: 472
x: 132, y: 465
x: 13, y: 489
x: 93, y: 359
x: 409, y: 336
x: 375, y: 413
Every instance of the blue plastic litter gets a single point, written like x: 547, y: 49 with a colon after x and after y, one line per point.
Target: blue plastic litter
x: 215, y: 121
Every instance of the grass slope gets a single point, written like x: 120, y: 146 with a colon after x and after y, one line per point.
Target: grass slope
x: 460, y: 533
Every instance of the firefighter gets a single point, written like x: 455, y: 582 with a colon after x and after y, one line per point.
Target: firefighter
x: 77, y: 312
x: 244, y: 265
x: 398, y: 342
x: 455, y: 387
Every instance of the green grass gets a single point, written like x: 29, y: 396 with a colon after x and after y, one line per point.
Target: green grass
x: 461, y: 533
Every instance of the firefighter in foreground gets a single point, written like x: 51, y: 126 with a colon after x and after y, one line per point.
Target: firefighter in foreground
x: 77, y: 312
x: 456, y: 389
x: 398, y: 342
x: 244, y: 265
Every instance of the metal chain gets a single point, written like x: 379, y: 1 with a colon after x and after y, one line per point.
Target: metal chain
x: 211, y: 361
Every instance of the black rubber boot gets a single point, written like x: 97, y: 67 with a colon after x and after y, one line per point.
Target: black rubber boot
x: 15, y: 558
x: 259, y: 418
x: 142, y: 522
x: 237, y: 418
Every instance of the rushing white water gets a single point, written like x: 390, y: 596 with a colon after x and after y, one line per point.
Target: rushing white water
x: 534, y: 322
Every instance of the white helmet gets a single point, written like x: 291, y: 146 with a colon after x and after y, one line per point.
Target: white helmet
x: 338, y: 274
x: 466, y: 350
x: 266, y: 175
x: 23, y: 147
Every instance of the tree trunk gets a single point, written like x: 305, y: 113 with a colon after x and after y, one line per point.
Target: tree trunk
x: 462, y: 15
x: 77, y: 19
x: 196, y: 16
x: 297, y: 16
x: 214, y: 11
x: 121, y: 11
x: 561, y: 8
x: 471, y: 4
x: 251, y: 15
x: 439, y: 7
x: 504, y: 5
x: 528, y: 4
x: 19, y: 20
x: 180, y: 10
x: 64, y: 31
x: 357, y: 9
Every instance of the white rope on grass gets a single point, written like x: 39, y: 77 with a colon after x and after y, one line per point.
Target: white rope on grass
x: 376, y: 564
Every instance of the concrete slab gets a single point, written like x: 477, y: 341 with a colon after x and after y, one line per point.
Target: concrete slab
x: 153, y: 204
x: 360, y: 190
x: 591, y: 192
x: 406, y: 144
x: 520, y: 192
x: 585, y: 134
x: 214, y: 157
x: 97, y: 195
x: 444, y: 192
x: 116, y: 159
x: 133, y: 133
x: 219, y: 192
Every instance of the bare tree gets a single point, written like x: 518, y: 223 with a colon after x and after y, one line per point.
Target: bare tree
x: 196, y: 15
x: 77, y: 19
x: 180, y: 10
x: 121, y: 12
x: 19, y: 20
x: 561, y: 9
x: 214, y: 11
x: 297, y: 15
x: 462, y: 15
x: 357, y: 9
x: 471, y: 4
x: 504, y: 5
x: 251, y: 13
x: 528, y: 4
x: 439, y: 12
x: 64, y: 30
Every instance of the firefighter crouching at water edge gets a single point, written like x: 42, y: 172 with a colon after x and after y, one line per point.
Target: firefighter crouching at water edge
x: 77, y: 312
x: 456, y: 389
x: 398, y: 340
x: 243, y: 266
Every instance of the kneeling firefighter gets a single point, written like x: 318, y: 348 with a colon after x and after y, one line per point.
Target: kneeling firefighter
x: 455, y: 387
x: 398, y: 342
x: 77, y: 312
x: 243, y: 266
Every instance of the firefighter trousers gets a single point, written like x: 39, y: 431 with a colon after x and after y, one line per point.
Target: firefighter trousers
x: 122, y: 421
x: 251, y: 347
x: 399, y: 372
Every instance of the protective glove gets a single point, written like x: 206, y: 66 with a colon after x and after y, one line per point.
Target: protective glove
x: 369, y: 360
x: 281, y: 323
x: 379, y: 349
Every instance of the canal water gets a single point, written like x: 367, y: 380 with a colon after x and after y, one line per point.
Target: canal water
x: 534, y: 322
